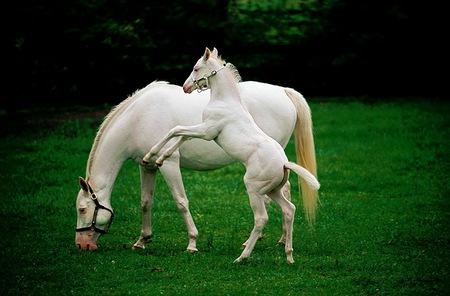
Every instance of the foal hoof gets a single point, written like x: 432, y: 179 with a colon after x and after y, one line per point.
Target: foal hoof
x: 240, y: 259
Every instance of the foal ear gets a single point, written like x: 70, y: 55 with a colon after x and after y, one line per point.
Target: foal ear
x: 207, y: 54
x: 83, y: 184
x: 215, y: 52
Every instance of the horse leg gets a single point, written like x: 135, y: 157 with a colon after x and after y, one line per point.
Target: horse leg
x: 172, y: 175
x: 288, y: 211
x: 148, y: 182
x: 260, y: 220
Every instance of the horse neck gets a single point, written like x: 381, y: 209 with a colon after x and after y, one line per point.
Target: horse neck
x: 105, y: 162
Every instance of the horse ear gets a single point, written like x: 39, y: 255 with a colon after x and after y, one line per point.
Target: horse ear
x: 207, y: 54
x: 83, y: 184
x: 215, y: 52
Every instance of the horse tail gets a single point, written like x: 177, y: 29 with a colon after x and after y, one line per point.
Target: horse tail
x: 306, y: 155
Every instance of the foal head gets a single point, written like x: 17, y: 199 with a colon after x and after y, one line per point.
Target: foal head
x: 205, y: 67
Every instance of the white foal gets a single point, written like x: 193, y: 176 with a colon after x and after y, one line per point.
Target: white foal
x: 228, y: 123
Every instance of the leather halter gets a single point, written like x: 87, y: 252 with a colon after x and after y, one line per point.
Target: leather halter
x: 94, y: 217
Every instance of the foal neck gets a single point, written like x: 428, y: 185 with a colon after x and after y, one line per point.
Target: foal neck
x: 224, y: 86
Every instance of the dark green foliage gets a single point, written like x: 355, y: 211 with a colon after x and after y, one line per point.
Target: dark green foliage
x: 81, y: 51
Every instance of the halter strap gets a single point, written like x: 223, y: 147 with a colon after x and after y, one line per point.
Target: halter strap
x: 206, y: 77
x: 94, y: 217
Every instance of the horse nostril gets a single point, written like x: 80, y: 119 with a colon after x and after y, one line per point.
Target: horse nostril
x: 78, y: 246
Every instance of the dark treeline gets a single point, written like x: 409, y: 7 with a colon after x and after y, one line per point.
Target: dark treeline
x: 64, y: 52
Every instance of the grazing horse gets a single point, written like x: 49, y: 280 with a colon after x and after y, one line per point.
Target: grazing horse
x: 230, y: 125
x: 144, y: 118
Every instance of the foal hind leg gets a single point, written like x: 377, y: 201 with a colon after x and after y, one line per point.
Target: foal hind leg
x: 287, y: 194
x: 260, y: 220
x: 267, y: 201
x: 288, y: 211
x: 286, y: 189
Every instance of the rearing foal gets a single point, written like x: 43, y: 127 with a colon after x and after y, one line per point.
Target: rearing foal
x: 226, y: 121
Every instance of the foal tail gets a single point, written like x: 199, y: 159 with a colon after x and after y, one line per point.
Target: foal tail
x: 306, y: 155
x: 304, y: 174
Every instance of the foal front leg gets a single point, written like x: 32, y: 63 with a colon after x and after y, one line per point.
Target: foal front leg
x: 169, y: 151
x: 195, y: 131
x: 155, y: 149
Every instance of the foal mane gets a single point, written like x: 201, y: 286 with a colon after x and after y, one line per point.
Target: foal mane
x: 234, y: 71
x: 113, y: 114
x: 230, y: 67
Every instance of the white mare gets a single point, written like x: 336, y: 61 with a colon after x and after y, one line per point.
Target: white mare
x: 227, y: 122
x: 143, y: 119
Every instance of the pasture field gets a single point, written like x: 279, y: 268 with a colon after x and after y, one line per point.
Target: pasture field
x: 382, y: 226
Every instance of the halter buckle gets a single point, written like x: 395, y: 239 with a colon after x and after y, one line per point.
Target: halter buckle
x: 206, y: 78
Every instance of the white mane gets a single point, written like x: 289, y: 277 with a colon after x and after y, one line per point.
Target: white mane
x: 234, y: 71
x: 114, y: 113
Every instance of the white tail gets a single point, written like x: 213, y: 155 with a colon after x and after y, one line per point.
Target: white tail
x: 306, y: 154
x: 303, y: 173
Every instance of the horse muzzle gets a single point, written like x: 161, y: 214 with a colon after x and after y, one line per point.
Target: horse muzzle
x: 87, y: 240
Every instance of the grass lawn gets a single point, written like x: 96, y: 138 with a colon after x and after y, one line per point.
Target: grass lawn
x: 382, y: 226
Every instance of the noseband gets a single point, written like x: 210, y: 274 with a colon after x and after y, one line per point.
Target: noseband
x: 206, y: 77
x: 94, y: 217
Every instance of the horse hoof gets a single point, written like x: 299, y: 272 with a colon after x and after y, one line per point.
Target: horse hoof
x: 158, y: 165
x: 138, y: 247
x: 144, y: 162
x: 191, y: 251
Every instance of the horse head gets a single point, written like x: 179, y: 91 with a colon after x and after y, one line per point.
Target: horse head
x: 93, y: 218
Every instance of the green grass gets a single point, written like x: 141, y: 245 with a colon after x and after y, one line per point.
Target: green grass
x: 382, y: 227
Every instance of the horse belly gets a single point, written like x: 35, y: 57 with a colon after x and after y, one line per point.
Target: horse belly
x: 201, y: 155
